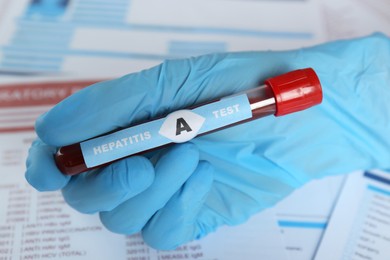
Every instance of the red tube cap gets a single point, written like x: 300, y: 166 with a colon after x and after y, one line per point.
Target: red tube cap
x: 295, y: 91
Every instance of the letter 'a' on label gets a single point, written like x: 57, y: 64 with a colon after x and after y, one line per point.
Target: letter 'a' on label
x: 178, y: 127
x: 181, y: 126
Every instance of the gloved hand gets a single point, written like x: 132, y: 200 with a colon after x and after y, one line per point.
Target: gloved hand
x: 222, y: 178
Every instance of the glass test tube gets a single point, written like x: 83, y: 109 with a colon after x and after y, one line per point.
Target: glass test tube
x: 284, y: 94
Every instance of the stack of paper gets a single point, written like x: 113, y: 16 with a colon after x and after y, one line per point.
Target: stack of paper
x: 49, y: 49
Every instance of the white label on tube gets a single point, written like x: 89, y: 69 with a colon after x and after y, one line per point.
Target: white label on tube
x: 179, y: 126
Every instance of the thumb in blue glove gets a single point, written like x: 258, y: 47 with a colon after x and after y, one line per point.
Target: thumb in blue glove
x: 225, y: 177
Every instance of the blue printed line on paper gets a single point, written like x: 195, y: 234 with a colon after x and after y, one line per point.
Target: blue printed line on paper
x: 378, y: 178
x: 43, y: 36
x: 99, y: 21
x: 123, y: 55
x: 41, y: 45
x: 214, y: 30
x: 101, y: 2
x: 378, y: 190
x: 32, y: 58
x: 57, y: 26
x: 84, y: 5
x: 100, y: 17
x: 103, y: 6
x: 102, y: 11
x: 185, y: 29
x: 301, y: 224
x: 26, y: 64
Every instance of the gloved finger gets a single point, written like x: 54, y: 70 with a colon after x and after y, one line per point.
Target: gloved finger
x: 171, y: 171
x: 41, y: 171
x: 176, y: 223
x: 174, y: 84
x: 106, y: 188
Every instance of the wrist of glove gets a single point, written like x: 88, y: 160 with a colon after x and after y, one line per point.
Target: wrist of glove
x: 222, y: 178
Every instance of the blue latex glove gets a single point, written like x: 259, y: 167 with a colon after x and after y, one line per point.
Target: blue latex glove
x: 224, y: 177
